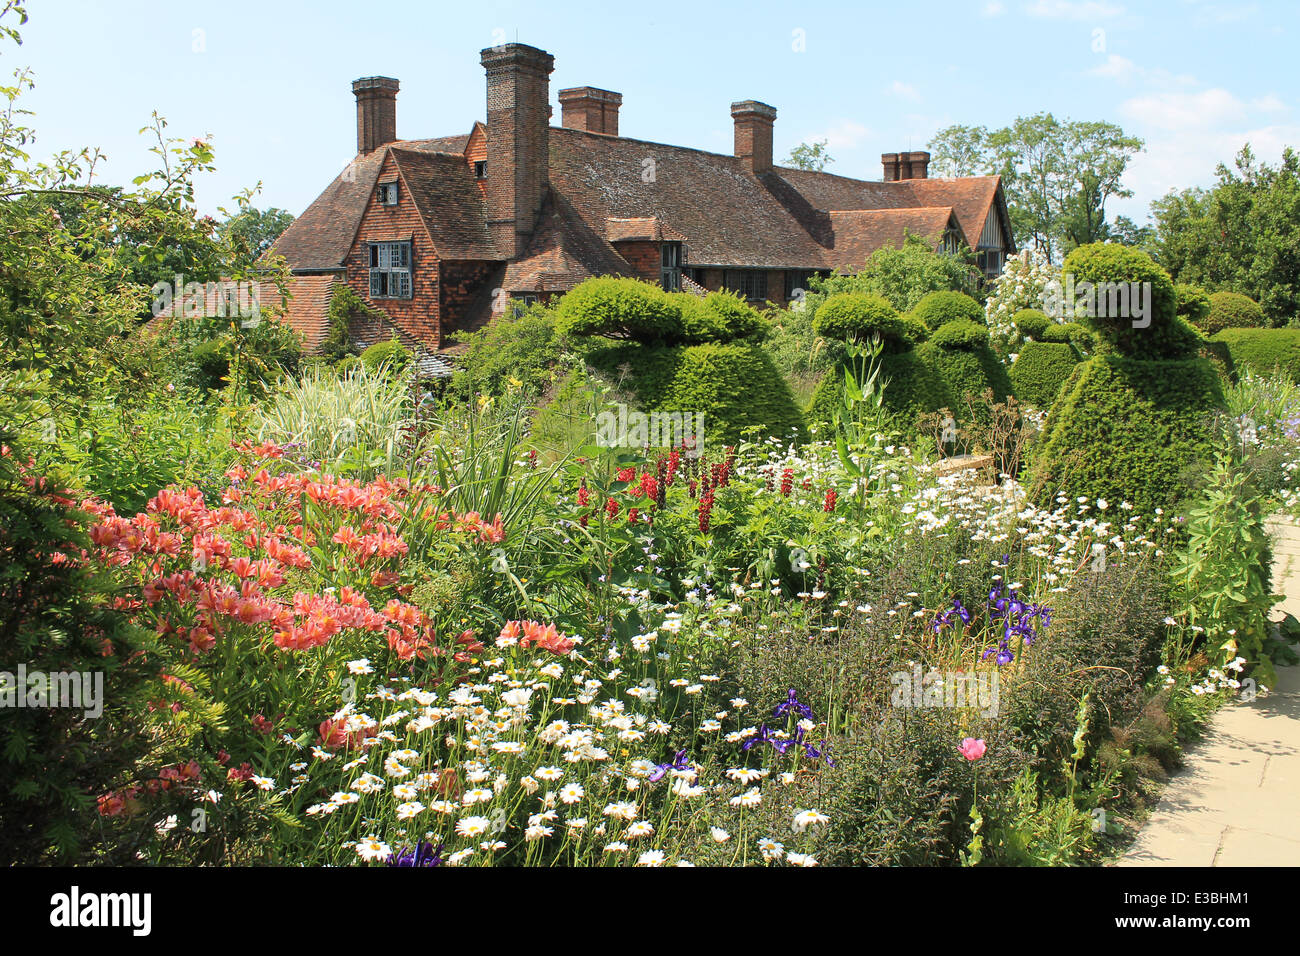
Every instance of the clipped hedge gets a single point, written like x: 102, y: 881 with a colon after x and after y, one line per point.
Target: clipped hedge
x: 1231, y: 310
x: 1033, y: 323
x: 636, y: 311
x: 912, y: 386
x: 1164, y: 335
x: 734, y: 384
x: 940, y: 308
x: 1075, y: 333
x: 966, y: 371
x: 1040, y: 369
x: 1130, y: 429
x: 1262, y: 350
x: 859, y: 316
x: 1193, y: 304
x: 961, y: 334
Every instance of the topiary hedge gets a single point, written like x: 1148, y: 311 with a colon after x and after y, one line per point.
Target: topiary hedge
x: 912, y: 386
x: 1263, y: 350
x: 1040, y: 369
x: 940, y: 308
x: 1231, y: 310
x: 966, y: 371
x: 859, y: 316
x: 1032, y: 323
x: 636, y: 311
x: 1075, y: 333
x: 734, y: 384
x: 1162, y: 334
x: 961, y: 334
x: 1193, y: 304
x: 1130, y: 429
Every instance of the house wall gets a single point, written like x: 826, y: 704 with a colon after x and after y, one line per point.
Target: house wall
x: 419, y: 315
x: 712, y: 279
x: 461, y: 285
x: 643, y: 257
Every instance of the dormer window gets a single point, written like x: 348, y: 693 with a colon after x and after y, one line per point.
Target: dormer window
x: 388, y: 194
x: 390, y: 270
x: 480, y: 169
x: 671, y: 258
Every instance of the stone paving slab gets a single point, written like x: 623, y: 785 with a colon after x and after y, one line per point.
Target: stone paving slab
x: 1237, y: 801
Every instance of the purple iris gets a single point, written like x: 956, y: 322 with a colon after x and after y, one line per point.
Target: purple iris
x: 791, y: 704
x: 424, y: 854
x: 946, y: 618
x: 679, y: 762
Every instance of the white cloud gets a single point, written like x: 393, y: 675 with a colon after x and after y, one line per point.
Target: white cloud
x: 904, y: 90
x: 1172, y: 110
x: 1117, y: 67
x: 1073, y: 9
x: 844, y: 134
x: 995, y: 8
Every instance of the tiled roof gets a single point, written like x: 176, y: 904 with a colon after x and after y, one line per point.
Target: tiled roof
x: 322, y: 236
x: 607, y: 189
x: 449, y: 201
x: 307, y: 311
x: 562, y: 252
x: 857, y: 233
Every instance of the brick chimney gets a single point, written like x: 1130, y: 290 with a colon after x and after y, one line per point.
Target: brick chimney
x: 906, y: 165
x: 590, y: 109
x: 518, y: 141
x: 376, y: 111
x: 754, y: 134
x: 890, y: 162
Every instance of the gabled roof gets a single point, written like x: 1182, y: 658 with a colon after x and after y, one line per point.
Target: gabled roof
x: 449, y: 202
x: 857, y: 233
x: 606, y: 189
x: 320, y: 239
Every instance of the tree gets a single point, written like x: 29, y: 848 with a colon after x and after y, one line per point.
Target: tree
x: 903, y: 276
x: 254, y: 230
x: 1057, y: 176
x: 812, y: 156
x: 1241, y: 235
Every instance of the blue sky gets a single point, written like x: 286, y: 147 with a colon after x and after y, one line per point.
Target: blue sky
x: 270, y: 82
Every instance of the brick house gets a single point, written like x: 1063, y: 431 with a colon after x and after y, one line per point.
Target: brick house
x: 441, y: 234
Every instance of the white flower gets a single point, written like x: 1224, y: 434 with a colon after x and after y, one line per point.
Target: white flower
x: 571, y: 793
x: 651, y: 858
x: 473, y: 826
x: 719, y: 835
x: 639, y: 829
x: 370, y: 850
x: 809, y: 818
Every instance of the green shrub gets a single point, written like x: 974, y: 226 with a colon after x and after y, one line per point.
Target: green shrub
x: 734, y: 384
x: 939, y: 308
x: 1040, y: 369
x: 1077, y: 334
x: 912, y: 386
x: 1129, y: 429
x: 522, y: 347
x: 391, y: 355
x: 1231, y: 310
x: 859, y: 316
x: 209, y: 366
x: 735, y: 317
x: 619, y: 308
x: 1263, y: 350
x: 966, y: 371
x: 961, y: 334
x: 1164, y: 335
x: 1193, y: 304
x: 1033, y: 323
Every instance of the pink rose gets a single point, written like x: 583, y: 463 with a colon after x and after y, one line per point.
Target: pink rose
x: 972, y: 749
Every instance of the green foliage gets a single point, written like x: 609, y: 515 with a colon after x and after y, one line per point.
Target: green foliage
x: 1265, y: 351
x: 1231, y: 310
x: 734, y: 384
x: 938, y: 308
x: 1076, y: 333
x: 812, y: 156
x: 391, y: 356
x: 1193, y: 304
x: 904, y: 275
x: 1039, y: 371
x: 1241, y: 235
x: 961, y: 334
x: 966, y: 372
x: 735, y: 318
x: 1057, y: 175
x: 1223, y: 573
x: 619, y: 308
x: 345, y: 305
x: 253, y: 231
x: 855, y: 316
x: 1032, y: 323
x: 514, y: 350
x: 911, y: 386
x: 1166, y: 336
x: 1128, y: 429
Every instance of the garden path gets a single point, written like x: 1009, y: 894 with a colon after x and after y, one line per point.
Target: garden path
x: 1237, y: 802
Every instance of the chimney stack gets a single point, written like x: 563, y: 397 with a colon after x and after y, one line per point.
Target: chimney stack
x: 518, y: 141
x: 590, y: 109
x: 754, y: 134
x: 899, y: 166
x: 376, y: 111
